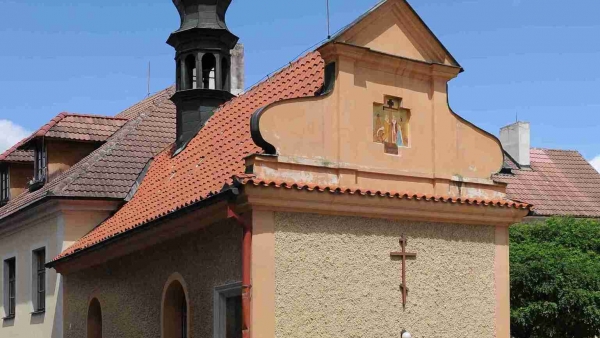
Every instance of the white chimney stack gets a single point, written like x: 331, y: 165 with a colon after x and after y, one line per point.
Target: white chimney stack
x: 516, y: 140
x: 237, y: 70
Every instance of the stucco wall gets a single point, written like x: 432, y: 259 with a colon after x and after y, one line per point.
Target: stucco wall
x: 130, y: 288
x: 335, y: 278
x: 20, y: 245
x: 63, y: 155
x: 20, y: 174
x: 18, y: 239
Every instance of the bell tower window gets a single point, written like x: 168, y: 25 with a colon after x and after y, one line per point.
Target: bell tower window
x: 209, y: 65
x: 190, y: 81
x: 225, y: 75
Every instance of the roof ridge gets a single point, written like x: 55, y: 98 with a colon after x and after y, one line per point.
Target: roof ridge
x: 551, y: 149
x: 151, y: 98
x: 269, y: 76
x: 95, y: 116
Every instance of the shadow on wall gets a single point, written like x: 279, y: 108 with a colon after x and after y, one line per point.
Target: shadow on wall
x: 37, y: 318
x: 8, y: 322
x: 57, y: 329
x: 348, y: 226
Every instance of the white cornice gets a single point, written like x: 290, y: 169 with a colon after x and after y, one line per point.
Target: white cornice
x: 50, y: 208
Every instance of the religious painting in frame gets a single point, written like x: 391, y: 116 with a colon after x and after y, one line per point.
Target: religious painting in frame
x: 391, y: 125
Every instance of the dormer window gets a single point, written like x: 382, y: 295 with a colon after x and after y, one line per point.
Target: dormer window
x: 40, y: 167
x: 4, y: 186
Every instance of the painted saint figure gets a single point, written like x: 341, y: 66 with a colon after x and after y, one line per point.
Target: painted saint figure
x: 394, y: 129
x: 379, y: 130
x: 398, y: 134
x: 387, y: 129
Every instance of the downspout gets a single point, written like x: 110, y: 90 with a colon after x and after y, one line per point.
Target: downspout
x: 246, y: 269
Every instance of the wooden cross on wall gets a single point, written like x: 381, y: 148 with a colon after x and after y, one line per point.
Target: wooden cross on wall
x: 403, y: 254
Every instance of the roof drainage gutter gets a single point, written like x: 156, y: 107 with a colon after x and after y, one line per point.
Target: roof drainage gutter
x: 246, y: 268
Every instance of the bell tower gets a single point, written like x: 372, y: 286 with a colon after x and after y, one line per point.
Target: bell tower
x: 203, y: 47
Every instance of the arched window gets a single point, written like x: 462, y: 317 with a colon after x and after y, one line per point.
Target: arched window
x: 94, y: 321
x: 209, y: 64
x: 225, y: 75
x: 175, y: 311
x: 191, y: 82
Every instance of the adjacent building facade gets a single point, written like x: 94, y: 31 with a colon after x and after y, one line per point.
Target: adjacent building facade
x: 64, y: 180
x: 558, y: 182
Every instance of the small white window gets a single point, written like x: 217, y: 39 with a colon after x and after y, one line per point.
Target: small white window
x: 228, y: 311
x: 38, y: 287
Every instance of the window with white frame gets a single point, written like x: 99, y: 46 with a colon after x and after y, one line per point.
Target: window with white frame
x: 41, y: 162
x: 38, y: 288
x: 228, y: 311
x: 10, y: 291
x: 4, y: 185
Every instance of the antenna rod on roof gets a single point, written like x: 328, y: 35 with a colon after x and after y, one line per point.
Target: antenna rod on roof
x: 328, y: 26
x: 148, y: 78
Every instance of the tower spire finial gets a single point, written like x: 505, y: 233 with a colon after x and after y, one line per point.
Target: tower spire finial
x: 203, y: 45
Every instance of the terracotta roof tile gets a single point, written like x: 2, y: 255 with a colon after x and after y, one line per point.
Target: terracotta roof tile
x: 78, y: 127
x: 14, y: 154
x: 212, y: 158
x: 112, y: 169
x: 560, y: 183
x: 504, y: 203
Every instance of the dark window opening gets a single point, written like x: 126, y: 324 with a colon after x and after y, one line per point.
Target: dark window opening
x: 183, y: 318
x: 228, y: 311
x: 41, y: 163
x: 10, y: 287
x: 39, y: 260
x: 191, y: 81
x: 225, y: 76
x: 4, y: 186
x: 175, y: 312
x: 233, y: 317
x: 209, y: 64
x: 94, y: 320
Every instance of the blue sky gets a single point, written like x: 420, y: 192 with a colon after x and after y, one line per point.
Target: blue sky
x: 537, y: 58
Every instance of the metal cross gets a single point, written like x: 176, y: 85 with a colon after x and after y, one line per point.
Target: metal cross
x: 403, y: 254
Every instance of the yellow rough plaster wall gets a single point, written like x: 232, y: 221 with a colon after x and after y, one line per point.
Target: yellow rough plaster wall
x: 335, y: 278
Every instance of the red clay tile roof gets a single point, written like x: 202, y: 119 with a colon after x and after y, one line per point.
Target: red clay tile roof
x: 146, y: 104
x: 112, y: 169
x: 80, y: 127
x: 14, y: 154
x: 211, y: 159
x: 560, y: 183
x: 390, y: 194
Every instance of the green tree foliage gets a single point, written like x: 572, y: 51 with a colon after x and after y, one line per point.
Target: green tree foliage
x: 555, y: 279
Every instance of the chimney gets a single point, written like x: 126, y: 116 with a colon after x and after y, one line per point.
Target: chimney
x: 237, y: 69
x: 516, y: 141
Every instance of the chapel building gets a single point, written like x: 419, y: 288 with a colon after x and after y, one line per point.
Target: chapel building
x: 342, y: 197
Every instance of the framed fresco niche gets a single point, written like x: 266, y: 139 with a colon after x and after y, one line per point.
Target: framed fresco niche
x: 391, y: 125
